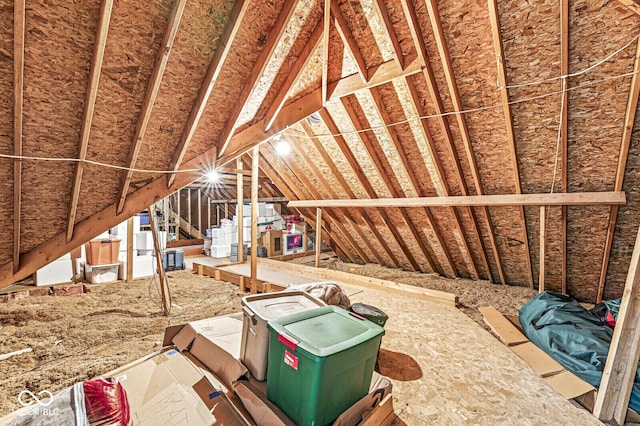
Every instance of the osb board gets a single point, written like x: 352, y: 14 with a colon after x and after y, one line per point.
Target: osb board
x: 193, y: 48
x: 134, y: 36
x: 445, y: 221
x: 6, y: 124
x: 502, y: 327
x: 58, y: 49
x: 538, y: 359
x: 444, y: 382
x: 408, y: 239
x: 427, y: 233
x: 354, y: 13
x: 268, y: 275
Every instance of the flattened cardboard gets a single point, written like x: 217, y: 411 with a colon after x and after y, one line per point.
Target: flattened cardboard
x: 378, y: 390
x: 569, y: 385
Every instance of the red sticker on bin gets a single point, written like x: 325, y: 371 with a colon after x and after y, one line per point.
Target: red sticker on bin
x: 291, y: 360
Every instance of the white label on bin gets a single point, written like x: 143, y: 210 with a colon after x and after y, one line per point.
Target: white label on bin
x: 291, y: 360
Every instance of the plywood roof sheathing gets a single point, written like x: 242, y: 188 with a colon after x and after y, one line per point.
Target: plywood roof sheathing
x: 389, y: 33
x: 349, y: 41
x: 150, y: 97
x: 627, y: 130
x: 18, y: 88
x: 89, y: 105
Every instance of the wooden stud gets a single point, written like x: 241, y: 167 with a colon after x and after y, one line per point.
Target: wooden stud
x: 240, y: 209
x: 325, y: 50
x: 318, y: 239
x: 254, y: 221
x: 348, y: 39
x: 334, y: 170
x: 208, y: 213
x: 189, y: 206
x: 293, y: 76
x: 389, y: 32
x: 18, y: 91
x: 627, y: 130
x: 215, y: 67
x: 564, y: 132
x: 504, y: 96
x: 150, y: 98
x: 164, y: 286
x: 256, y: 73
x: 543, y: 250
x: 89, y: 106
x: 548, y: 199
x: 366, y: 184
x: 130, y: 237
x: 622, y: 360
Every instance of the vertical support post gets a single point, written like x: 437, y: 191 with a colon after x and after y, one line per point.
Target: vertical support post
x: 200, y: 211
x: 130, y: 238
x: 179, y: 216
x: 318, y: 235
x: 208, y: 214
x: 620, y: 369
x: 226, y: 209
x: 254, y: 220
x: 164, y: 293
x: 189, y: 206
x: 543, y: 250
x: 240, y: 208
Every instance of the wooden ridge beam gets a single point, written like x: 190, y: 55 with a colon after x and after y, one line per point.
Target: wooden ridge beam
x: 301, y: 108
x: 445, y: 58
x: 627, y: 130
x: 89, y: 106
x: 544, y: 199
x: 294, y: 74
x: 504, y: 96
x: 256, y: 73
x: 150, y: 96
x: 213, y: 71
x: 366, y: 184
x: 384, y: 173
x: 18, y: 93
x: 347, y: 189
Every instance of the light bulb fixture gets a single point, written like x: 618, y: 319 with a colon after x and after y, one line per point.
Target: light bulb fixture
x: 283, y: 148
x: 212, y: 176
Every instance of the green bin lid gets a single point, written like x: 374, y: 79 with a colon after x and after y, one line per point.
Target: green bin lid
x: 325, y: 331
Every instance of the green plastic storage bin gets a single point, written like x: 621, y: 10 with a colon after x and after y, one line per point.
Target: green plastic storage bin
x: 320, y: 363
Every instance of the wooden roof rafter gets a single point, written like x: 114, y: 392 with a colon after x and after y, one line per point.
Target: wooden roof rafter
x: 18, y: 92
x: 150, y: 97
x: 256, y: 73
x: 384, y: 173
x: 364, y: 181
x: 326, y: 25
x: 89, y: 106
x: 302, y: 177
x: 504, y: 96
x: 240, y: 8
x: 438, y: 32
x: 389, y: 33
x: 340, y: 178
x: 349, y: 41
x: 294, y: 74
x: 627, y: 130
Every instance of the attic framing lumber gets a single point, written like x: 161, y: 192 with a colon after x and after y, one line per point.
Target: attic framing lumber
x: 244, y: 140
x: 334, y: 170
x: 326, y: 25
x: 213, y: 71
x: 256, y: 73
x: 436, y: 25
x: 348, y: 40
x: 366, y: 184
x: 389, y: 33
x: 544, y: 199
x: 622, y: 360
x: 564, y: 130
x: 632, y: 5
x: 89, y: 106
x: 150, y: 97
x: 294, y: 74
x: 18, y: 98
x: 504, y: 96
x: 627, y: 131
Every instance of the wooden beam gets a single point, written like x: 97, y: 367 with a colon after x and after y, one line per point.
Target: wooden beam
x: 564, y: 132
x: 622, y: 360
x: 632, y: 5
x: 256, y: 73
x: 164, y: 286
x: 294, y: 74
x: 627, y: 130
x: 18, y: 91
x: 347, y: 189
x: 318, y: 239
x: 215, y: 67
x: 348, y: 39
x: 254, y: 221
x: 325, y: 51
x: 200, y: 211
x: 89, y: 105
x: 545, y: 199
x: 295, y: 111
x: 366, y: 184
x: 130, y: 237
x: 543, y: 250
x: 240, y: 209
x: 150, y: 97
x: 443, y: 51
x: 494, y: 18
x: 389, y: 33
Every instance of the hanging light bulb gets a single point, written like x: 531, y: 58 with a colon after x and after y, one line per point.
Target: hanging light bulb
x: 283, y: 148
x: 212, y: 176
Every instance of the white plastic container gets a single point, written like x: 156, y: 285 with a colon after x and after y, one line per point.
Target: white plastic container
x: 258, y: 309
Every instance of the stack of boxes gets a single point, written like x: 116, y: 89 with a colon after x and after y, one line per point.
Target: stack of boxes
x: 102, y: 260
x: 144, y: 263
x: 222, y: 238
